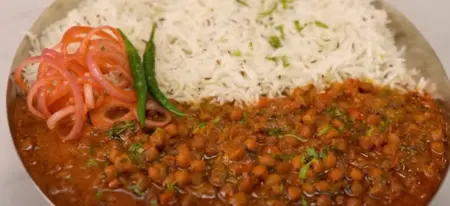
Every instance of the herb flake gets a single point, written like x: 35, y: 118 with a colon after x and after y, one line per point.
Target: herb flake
x: 237, y: 53
x: 269, y: 11
x: 243, y: 3
x: 321, y: 24
x: 118, y: 129
x: 275, y: 42
x: 298, y: 26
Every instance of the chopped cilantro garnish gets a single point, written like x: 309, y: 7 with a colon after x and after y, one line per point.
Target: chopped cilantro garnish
x: 274, y: 59
x: 269, y: 11
x: 153, y: 202
x: 370, y: 131
x: 275, y: 42
x: 120, y: 128
x: 92, y: 162
x: 242, y: 2
x: 244, y: 118
x: 199, y: 126
x: 312, y: 152
x: 321, y: 24
x: 285, y: 156
x: 304, y: 202
x: 275, y: 132
x: 325, y: 129
x: 237, y: 53
x: 299, y: 138
x: 285, y: 61
x: 217, y: 119
x: 303, y: 171
x: 136, y: 190
x: 170, y: 187
x: 99, y: 195
x: 285, y: 3
x: 298, y: 27
x: 250, y: 45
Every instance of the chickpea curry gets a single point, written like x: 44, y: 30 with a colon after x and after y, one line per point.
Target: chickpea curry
x: 353, y: 144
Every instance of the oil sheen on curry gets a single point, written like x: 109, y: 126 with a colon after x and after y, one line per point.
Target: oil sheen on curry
x: 353, y: 144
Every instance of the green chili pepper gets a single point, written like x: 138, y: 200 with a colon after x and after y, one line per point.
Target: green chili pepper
x: 138, y: 73
x: 149, y: 67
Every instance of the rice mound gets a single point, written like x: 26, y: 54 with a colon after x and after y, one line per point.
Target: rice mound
x: 237, y: 51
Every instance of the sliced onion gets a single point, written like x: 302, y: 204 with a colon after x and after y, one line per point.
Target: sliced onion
x: 57, y: 116
x: 122, y: 95
x: 153, y: 106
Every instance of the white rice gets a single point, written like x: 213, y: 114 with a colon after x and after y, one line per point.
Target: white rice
x: 196, y: 41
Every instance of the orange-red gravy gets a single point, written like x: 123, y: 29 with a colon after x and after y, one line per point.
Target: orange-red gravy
x: 355, y: 144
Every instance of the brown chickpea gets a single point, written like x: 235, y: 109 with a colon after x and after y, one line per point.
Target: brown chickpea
x: 260, y: 171
x: 141, y: 181
x: 182, y: 177
x: 310, y: 117
x: 308, y: 188
x: 110, y: 172
x: 296, y: 162
x: 332, y: 133
x: 294, y: 193
x: 113, y: 154
x: 337, y: 123
x: 356, y: 174
x: 267, y: 160
x: 437, y: 134
x: 324, y: 200
x: 236, y: 115
x: 114, y: 184
x: 365, y: 142
x: 310, y: 174
x: 157, y: 172
x: 227, y: 190
x: 356, y: 188
x: 390, y: 149
x: 305, y: 131
x: 273, y: 179
x: 246, y: 185
x: 340, y: 200
x: 271, y: 150
x: 183, y: 158
x: 376, y: 190
x: 151, y: 154
x: 374, y: 173
x: 251, y: 144
x: 317, y: 166
x: 198, y: 166
x: 322, y: 186
x: 239, y: 199
x: 330, y: 160
x: 197, y: 178
x: 336, y: 174
x: 166, y: 197
x: 340, y: 144
x: 353, y: 202
x: 236, y: 153
x: 123, y: 163
x: 198, y: 143
x: 374, y: 119
x: 283, y: 167
x: 393, y: 139
x: 437, y: 147
x: 158, y: 138
x: 171, y: 129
